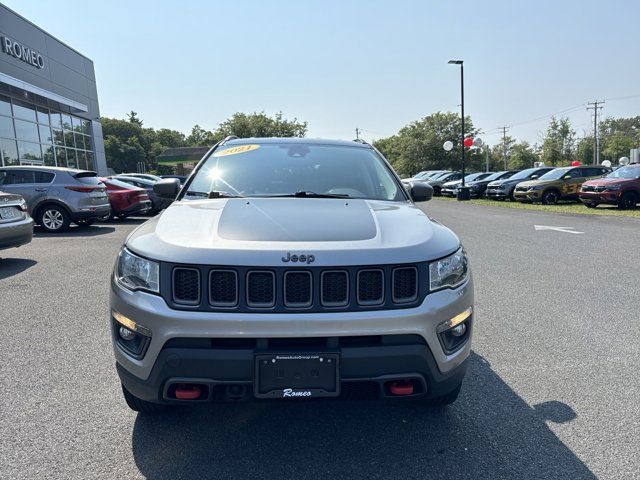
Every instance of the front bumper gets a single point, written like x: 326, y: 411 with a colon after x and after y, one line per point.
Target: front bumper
x: 499, y: 194
x: 528, y: 196
x: 163, y: 361
x: 14, y: 234
x: 610, y: 198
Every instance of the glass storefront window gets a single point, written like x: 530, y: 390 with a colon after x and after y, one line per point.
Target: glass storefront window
x: 29, y: 151
x: 5, y: 105
x: 31, y: 134
x: 27, y: 131
x: 9, y: 152
x: 66, y: 121
x: 43, y: 115
x: 79, y: 140
x: 82, y: 159
x: 71, y: 158
x: 61, y: 157
x: 24, y: 110
x: 45, y: 134
x: 6, y: 127
x: 68, y: 139
x: 90, y: 163
x: 56, y: 119
x: 58, y: 137
x: 47, y: 155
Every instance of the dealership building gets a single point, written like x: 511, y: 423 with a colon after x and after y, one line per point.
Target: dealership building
x: 49, y: 112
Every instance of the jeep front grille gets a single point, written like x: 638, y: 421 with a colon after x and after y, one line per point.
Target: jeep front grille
x: 186, y: 286
x: 281, y: 289
x: 261, y: 289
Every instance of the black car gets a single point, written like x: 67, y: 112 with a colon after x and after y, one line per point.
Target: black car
x: 503, y: 189
x: 478, y: 187
x: 182, y: 178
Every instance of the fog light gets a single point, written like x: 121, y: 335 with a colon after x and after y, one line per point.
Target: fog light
x: 458, y: 330
x: 455, y: 321
x: 130, y: 324
x: 126, y: 334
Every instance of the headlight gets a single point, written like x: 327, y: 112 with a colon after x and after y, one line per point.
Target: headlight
x: 136, y: 273
x: 535, y: 187
x: 613, y: 188
x: 449, y: 272
x: 475, y: 187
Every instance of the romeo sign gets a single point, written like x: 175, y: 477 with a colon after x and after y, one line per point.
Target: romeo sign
x: 21, y: 52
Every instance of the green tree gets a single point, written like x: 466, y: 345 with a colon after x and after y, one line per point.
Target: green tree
x: 259, y: 124
x: 558, y: 143
x: 418, y: 146
x: 199, y: 137
x: 522, y: 156
x: 584, y: 150
x: 504, y: 149
x: 618, y: 136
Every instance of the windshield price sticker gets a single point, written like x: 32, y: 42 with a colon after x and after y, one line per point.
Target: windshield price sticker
x: 235, y: 150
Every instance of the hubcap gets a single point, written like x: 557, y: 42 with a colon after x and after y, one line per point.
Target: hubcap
x: 52, y: 219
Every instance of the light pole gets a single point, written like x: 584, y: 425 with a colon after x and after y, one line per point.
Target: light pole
x: 463, y: 192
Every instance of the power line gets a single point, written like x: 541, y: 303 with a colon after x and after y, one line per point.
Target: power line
x: 595, y: 108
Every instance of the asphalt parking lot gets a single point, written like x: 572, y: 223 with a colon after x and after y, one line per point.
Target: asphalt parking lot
x: 552, y: 391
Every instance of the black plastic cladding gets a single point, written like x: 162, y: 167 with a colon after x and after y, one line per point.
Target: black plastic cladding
x: 166, y: 270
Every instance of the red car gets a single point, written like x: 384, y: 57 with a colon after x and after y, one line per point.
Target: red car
x: 621, y: 187
x: 126, y: 199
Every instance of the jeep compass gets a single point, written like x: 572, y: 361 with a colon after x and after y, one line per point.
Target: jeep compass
x: 290, y: 269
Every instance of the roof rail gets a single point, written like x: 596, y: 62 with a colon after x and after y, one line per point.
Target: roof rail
x: 227, y: 138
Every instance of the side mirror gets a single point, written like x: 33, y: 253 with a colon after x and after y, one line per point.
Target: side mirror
x: 167, y: 188
x: 567, y: 177
x: 420, y: 192
x: 533, y: 177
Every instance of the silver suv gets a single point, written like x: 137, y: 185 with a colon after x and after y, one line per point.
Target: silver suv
x: 290, y: 268
x: 57, y: 196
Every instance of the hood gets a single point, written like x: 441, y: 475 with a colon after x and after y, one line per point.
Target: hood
x: 260, y: 231
x: 533, y: 183
x: 452, y: 183
x: 599, y: 182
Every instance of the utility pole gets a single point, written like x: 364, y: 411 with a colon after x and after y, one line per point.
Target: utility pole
x: 357, y: 133
x: 596, y: 143
x: 504, y: 146
x: 486, y: 158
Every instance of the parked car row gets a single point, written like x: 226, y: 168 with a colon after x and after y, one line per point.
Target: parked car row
x: 55, y: 197
x: 591, y: 184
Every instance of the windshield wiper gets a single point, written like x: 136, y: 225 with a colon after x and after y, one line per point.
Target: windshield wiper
x: 213, y: 194
x: 308, y: 194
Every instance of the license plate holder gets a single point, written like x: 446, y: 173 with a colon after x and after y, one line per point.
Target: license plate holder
x: 297, y: 375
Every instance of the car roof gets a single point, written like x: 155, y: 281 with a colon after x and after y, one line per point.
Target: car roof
x: 296, y: 141
x: 44, y: 168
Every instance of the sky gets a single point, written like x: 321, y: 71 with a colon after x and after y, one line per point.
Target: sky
x: 374, y: 65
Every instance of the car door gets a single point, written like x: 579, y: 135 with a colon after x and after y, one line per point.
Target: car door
x: 571, y: 185
x: 33, y: 185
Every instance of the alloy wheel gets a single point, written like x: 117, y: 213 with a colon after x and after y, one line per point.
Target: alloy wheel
x: 52, y: 219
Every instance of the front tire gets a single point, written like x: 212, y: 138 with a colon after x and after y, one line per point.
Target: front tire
x: 550, y: 197
x: 628, y: 201
x: 54, y: 219
x: 138, y: 405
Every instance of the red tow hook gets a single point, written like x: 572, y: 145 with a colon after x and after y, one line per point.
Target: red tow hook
x: 188, y: 392
x: 401, y: 388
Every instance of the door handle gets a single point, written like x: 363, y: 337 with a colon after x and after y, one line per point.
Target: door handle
x: 41, y: 189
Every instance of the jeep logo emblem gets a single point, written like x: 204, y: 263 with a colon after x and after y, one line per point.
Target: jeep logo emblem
x: 302, y: 258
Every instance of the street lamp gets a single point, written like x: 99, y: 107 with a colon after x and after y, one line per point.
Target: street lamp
x: 463, y: 192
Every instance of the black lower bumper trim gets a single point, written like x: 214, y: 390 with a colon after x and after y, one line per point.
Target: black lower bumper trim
x: 220, y: 368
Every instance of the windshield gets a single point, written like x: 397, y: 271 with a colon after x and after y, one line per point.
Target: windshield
x: 119, y: 184
x: 554, y: 174
x: 474, y: 176
x: 494, y: 176
x: 264, y: 170
x: 625, y: 172
x: 524, y: 174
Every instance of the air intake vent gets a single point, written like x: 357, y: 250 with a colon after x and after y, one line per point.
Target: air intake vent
x: 405, y: 284
x: 186, y: 286
x: 223, y: 288
x: 261, y: 291
x: 370, y: 287
x: 298, y: 291
x: 335, y: 288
